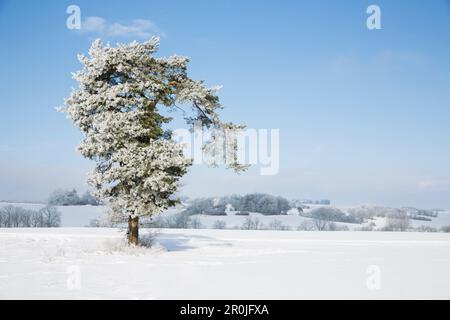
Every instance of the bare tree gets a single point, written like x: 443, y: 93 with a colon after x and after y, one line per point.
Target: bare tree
x: 16, y: 217
x: 37, y: 219
x: 277, y: 225
x: 51, y: 217
x: 320, y: 225
x: 219, y: 224
x: 248, y: 224
x: 251, y: 223
x: 306, y: 225
x: 179, y: 221
x: 195, y: 223
x: 8, y: 213
x: 426, y: 229
x: 257, y: 224
x: 12, y: 216
x: 25, y: 218
x: 397, y: 221
x: 113, y: 218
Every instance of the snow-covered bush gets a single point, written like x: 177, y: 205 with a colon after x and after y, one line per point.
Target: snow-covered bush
x: 121, y: 246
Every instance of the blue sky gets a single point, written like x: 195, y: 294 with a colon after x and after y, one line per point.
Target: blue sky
x: 363, y: 114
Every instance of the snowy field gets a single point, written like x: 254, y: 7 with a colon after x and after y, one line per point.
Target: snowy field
x: 91, y: 263
x: 81, y: 216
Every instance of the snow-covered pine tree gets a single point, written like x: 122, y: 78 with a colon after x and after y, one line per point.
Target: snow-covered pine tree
x: 117, y: 107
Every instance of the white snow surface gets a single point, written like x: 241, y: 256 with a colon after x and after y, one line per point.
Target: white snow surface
x: 223, y: 264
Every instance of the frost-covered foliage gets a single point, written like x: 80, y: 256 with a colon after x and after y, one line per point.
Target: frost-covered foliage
x: 119, y: 105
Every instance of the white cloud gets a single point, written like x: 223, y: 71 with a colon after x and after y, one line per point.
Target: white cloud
x: 433, y: 182
x: 93, y: 24
x: 354, y: 63
x: 390, y: 57
x: 139, y: 28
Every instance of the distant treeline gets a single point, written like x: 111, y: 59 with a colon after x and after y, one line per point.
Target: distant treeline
x: 415, y: 213
x: 332, y: 214
x: 63, y: 197
x: 18, y: 217
x: 254, y: 202
x: 322, y: 201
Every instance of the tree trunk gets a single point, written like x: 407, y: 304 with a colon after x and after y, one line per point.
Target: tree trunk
x: 133, y: 230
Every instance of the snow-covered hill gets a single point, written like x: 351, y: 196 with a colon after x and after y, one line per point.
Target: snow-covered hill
x: 91, y: 263
x: 81, y: 216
